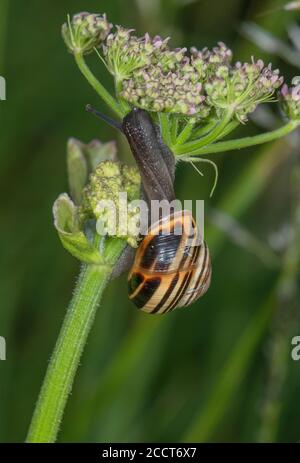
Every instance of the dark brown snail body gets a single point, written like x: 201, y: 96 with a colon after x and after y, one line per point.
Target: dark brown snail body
x: 171, y: 267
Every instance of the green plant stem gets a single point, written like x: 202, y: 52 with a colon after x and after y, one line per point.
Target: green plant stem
x: 185, y: 133
x: 199, y: 132
x: 69, y: 347
x: 174, y: 128
x: 97, y: 86
x: 228, y: 129
x: 243, y: 142
x: 207, y: 139
x: 165, y: 127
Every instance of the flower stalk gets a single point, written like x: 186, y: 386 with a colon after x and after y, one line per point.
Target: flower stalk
x: 94, y: 175
x: 185, y: 133
x: 165, y: 128
x: 97, y: 86
x: 239, y: 143
x: 69, y: 347
x: 207, y: 139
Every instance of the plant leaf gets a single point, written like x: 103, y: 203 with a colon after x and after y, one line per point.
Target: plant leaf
x: 70, y: 234
x: 77, y: 169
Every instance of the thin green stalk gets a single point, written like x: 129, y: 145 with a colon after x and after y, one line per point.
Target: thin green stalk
x: 165, y: 127
x: 207, y: 139
x: 185, y: 133
x: 123, y: 365
x: 245, y: 142
x: 203, y: 129
x: 228, y: 129
x: 97, y: 86
x: 174, y: 128
x: 69, y: 347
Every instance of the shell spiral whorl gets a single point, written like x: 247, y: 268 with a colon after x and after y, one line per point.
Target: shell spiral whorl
x: 172, y: 265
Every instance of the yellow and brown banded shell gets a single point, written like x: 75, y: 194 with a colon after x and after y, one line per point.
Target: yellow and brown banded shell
x: 172, y: 265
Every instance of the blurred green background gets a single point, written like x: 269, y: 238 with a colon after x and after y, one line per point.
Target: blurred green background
x: 219, y: 371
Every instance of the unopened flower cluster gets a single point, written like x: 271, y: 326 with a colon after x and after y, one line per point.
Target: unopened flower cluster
x: 101, y: 200
x: 290, y: 101
x: 96, y: 178
x: 85, y: 31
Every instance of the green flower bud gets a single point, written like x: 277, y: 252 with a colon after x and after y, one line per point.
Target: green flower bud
x: 75, y: 231
x: 125, y: 53
x: 242, y: 87
x: 85, y: 31
x: 101, y: 199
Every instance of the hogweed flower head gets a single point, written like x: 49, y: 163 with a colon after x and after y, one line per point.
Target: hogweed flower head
x: 168, y: 84
x: 206, y: 61
x: 242, y: 87
x: 85, y: 31
x: 290, y: 101
x: 204, y: 90
x: 124, y: 53
x: 204, y: 81
x: 172, y: 91
x: 152, y: 75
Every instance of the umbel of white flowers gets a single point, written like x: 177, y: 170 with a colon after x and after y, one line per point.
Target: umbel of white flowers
x: 198, y: 83
x: 152, y: 75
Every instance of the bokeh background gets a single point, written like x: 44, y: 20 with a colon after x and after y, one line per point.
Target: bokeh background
x: 219, y: 371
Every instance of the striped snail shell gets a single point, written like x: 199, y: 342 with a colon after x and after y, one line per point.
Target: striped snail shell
x: 172, y: 265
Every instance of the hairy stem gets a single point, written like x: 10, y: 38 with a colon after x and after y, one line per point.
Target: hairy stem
x: 245, y: 142
x: 69, y: 347
x: 97, y: 86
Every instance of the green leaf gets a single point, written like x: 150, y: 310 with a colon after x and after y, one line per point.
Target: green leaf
x: 97, y: 152
x: 71, y: 236
x: 77, y: 169
x: 82, y: 160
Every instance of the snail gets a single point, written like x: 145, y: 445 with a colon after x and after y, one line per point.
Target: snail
x: 171, y: 267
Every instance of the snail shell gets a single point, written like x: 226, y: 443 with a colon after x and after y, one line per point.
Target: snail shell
x: 172, y: 265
